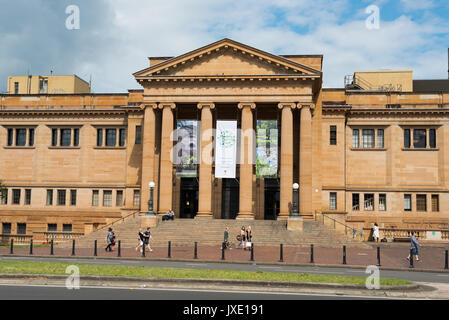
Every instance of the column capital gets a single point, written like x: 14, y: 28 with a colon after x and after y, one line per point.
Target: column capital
x: 211, y: 105
x: 148, y: 105
x: 167, y: 104
x: 282, y: 105
x: 251, y: 105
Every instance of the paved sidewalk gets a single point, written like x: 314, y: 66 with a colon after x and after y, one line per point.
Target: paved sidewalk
x: 433, y: 258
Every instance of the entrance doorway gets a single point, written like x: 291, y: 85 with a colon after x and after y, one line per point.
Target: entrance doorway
x: 230, y: 199
x: 189, y: 198
x: 272, y: 199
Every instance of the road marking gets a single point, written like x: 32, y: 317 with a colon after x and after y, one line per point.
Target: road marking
x: 270, y: 267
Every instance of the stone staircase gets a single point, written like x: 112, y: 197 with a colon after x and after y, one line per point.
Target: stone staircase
x: 210, y: 232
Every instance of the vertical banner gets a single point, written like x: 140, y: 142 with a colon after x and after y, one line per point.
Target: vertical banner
x: 267, y: 149
x: 186, y: 157
x: 226, y: 149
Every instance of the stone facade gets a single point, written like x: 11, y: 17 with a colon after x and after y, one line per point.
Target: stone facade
x: 118, y: 143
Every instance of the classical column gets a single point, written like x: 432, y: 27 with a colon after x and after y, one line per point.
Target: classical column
x: 166, y: 165
x: 247, y: 157
x: 305, y: 161
x: 205, y: 187
x: 148, y: 148
x: 286, y: 174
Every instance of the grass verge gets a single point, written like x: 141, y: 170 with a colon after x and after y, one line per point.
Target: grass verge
x: 26, y: 267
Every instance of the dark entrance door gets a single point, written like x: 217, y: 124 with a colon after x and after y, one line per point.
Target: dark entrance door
x: 189, y: 198
x: 272, y: 196
x: 230, y: 199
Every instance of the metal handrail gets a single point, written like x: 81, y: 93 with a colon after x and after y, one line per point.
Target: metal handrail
x: 354, y: 230
x: 121, y: 219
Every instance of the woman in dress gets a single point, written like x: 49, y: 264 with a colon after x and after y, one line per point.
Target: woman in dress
x: 242, y: 236
x: 376, y: 232
x: 249, y: 236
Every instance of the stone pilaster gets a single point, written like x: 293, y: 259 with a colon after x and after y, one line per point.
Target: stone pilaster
x: 305, y: 162
x: 205, y: 170
x: 286, y: 172
x: 166, y: 165
x: 247, y: 157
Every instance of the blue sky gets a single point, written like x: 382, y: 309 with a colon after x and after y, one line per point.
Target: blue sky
x: 116, y: 36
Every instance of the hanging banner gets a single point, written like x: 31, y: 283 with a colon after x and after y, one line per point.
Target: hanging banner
x: 186, y: 157
x: 226, y: 149
x: 267, y: 149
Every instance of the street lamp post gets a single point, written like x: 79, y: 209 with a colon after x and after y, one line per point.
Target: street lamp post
x: 295, y: 203
x: 150, y: 202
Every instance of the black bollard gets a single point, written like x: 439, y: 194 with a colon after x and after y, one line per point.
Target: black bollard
x: 252, y: 251
x: 446, y: 266
x: 11, y: 249
x: 119, y: 248
x: 143, y: 250
x: 411, y: 259
x: 73, y: 247
x: 281, y: 258
x: 51, y: 248
x: 344, y: 254
x: 223, y: 246
x: 311, y: 254
x: 169, y: 250
x: 31, y: 246
x: 195, y: 254
x: 95, y: 248
x: 378, y: 256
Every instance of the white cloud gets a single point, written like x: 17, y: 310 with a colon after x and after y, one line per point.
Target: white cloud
x: 411, y: 5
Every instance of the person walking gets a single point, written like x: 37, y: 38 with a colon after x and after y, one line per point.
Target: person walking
x: 376, y: 233
x: 147, y: 235
x: 242, y: 237
x: 226, y: 239
x: 249, y: 237
x: 110, y: 239
x: 414, y: 244
x: 140, y: 239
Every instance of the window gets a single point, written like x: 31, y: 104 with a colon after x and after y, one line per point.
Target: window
x: 54, y: 137
x: 21, y: 135
x: 333, y: 136
x: 52, y: 227
x: 380, y: 138
x: 31, y: 137
x: 435, y: 203
x: 76, y: 137
x: 73, y: 197
x: 368, y: 202
x: 10, y: 137
x: 111, y: 137
x: 136, y: 198
x: 407, y: 202
x: 119, y: 198
x: 95, y: 198
x: 355, y: 202
x: 65, y: 137
x: 61, y: 197
x: 4, y: 196
x: 382, y: 202
x: 99, y: 137
x: 333, y: 201
x: 421, y: 204
x: 16, y: 196
x: 368, y: 138
x: 432, y: 138
x: 419, y: 138
x: 49, y: 197
x: 107, y: 198
x: 6, y: 228
x: 43, y: 85
x: 355, y: 138
x: 138, y: 134
x: 122, y: 133
x: 406, y: 138
x: 67, y: 228
x: 21, y: 228
x: 16, y: 88
x: 27, y: 196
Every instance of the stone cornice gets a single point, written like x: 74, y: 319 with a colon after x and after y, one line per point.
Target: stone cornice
x: 62, y: 112
x: 398, y: 111
x: 227, y: 78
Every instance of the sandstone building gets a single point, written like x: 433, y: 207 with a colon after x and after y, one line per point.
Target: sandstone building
x: 373, y: 151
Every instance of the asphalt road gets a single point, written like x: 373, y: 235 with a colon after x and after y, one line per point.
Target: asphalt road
x: 16, y: 292
x: 416, y: 276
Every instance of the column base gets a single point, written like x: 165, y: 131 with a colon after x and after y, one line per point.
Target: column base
x: 295, y: 224
x: 283, y: 217
x: 245, y: 216
x: 204, y: 215
x: 148, y: 221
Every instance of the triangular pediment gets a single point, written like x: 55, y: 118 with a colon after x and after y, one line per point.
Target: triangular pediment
x: 227, y: 58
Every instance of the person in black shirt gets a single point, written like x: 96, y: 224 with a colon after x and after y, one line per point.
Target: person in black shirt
x: 147, y: 237
x: 141, y: 240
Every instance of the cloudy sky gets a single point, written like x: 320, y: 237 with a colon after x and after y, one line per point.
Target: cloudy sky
x: 115, y: 37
